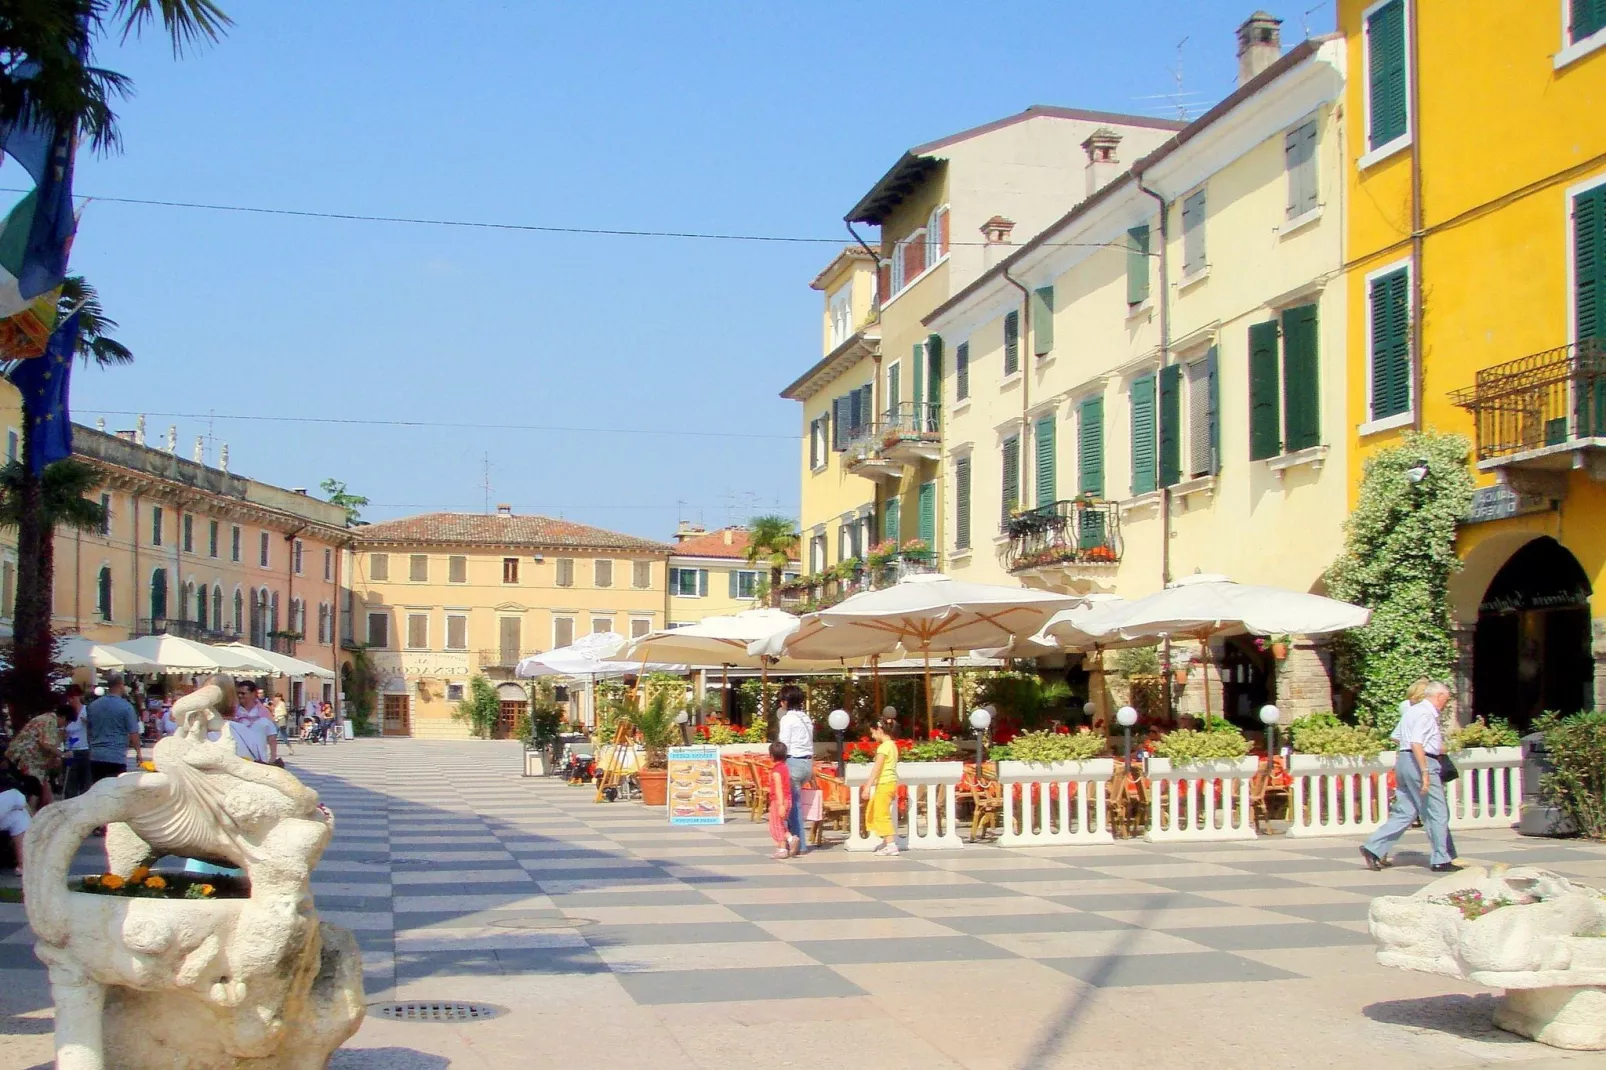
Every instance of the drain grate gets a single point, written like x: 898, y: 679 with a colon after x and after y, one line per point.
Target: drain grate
x: 436, y: 1011
x: 542, y: 923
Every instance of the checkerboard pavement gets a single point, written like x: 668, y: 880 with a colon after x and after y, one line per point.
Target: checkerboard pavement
x: 463, y: 880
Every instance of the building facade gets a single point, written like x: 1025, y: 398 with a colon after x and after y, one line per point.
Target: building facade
x: 1476, y: 164
x: 442, y: 597
x: 1153, y: 387
x: 709, y: 575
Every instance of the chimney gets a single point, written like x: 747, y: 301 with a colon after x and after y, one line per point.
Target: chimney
x: 686, y: 530
x: 222, y: 457
x: 730, y: 536
x: 995, y: 235
x: 1102, y: 162
x: 1260, y: 43
x: 199, y: 456
x: 299, y: 490
x: 504, y: 509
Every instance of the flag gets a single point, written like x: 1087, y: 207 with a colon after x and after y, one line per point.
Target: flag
x: 43, y: 385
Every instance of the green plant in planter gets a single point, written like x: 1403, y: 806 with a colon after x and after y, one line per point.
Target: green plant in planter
x: 1138, y: 661
x: 757, y: 732
x: 1479, y: 732
x: 1057, y: 747
x: 1187, y: 745
x: 656, y: 723
x: 1576, y: 747
x: 1325, y: 734
x: 481, y: 709
x: 545, y: 720
x: 931, y: 750
x: 723, y: 735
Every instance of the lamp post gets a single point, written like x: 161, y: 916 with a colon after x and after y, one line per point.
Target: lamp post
x: 683, y: 718
x: 980, y: 719
x: 1126, y: 717
x: 838, y: 720
x: 1089, y: 711
x: 1269, y: 716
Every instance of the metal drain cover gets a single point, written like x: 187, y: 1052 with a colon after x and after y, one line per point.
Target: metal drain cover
x: 436, y: 1011
x: 542, y: 923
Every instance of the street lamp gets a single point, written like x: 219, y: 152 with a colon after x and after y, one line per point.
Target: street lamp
x: 1126, y: 717
x: 1090, y: 711
x: 838, y: 720
x: 683, y: 718
x: 980, y: 718
x: 1269, y: 716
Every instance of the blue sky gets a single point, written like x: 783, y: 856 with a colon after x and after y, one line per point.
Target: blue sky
x: 754, y: 118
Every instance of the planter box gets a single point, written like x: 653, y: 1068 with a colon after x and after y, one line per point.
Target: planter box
x: 1013, y: 772
x: 1201, y: 801
x: 1211, y: 768
x: 536, y: 763
x: 928, y: 772
x: 1061, y: 803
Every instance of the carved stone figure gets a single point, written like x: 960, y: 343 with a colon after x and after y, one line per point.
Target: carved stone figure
x: 194, y: 984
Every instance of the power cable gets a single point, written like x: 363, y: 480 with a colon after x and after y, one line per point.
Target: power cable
x: 450, y: 425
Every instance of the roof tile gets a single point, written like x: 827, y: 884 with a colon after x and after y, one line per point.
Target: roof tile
x: 713, y: 544
x: 495, y: 529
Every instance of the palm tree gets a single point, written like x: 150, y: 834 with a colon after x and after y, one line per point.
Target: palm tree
x: 37, y: 504
x: 772, y: 541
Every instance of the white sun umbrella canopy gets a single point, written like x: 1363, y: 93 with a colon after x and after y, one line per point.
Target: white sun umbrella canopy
x: 275, y: 664
x: 1207, y: 605
x: 170, y: 653
x: 595, y: 656
x: 713, y: 641
x: 79, y: 652
x: 1087, y: 626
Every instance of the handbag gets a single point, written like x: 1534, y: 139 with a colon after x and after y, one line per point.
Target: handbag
x: 1447, y: 769
x: 811, y: 801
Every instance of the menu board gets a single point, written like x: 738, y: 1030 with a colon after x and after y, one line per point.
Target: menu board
x: 696, y: 790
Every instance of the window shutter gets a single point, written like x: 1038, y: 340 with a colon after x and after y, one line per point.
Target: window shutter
x: 1265, y: 434
x: 918, y: 394
x: 1043, y: 320
x: 1589, y: 256
x: 735, y: 583
x: 839, y: 423
x: 1385, y: 37
x: 883, y: 280
x: 602, y: 572
x: 1213, y: 371
x: 814, y: 442
x: 928, y: 514
x: 1587, y: 17
x: 866, y: 401
x: 1137, y: 265
x: 933, y: 378
x: 962, y: 503
x: 1301, y: 394
x: 702, y: 583
x: 1090, y: 447
x: 1011, y: 480
x: 892, y: 520
x: 1043, y: 436
x: 962, y: 371
x: 894, y: 389
x: 1391, y: 344
x: 1142, y: 405
x: 1199, y: 418
x: 1011, y: 343
x: 1193, y: 233
x: 855, y: 413
x: 1171, y: 425
x: 942, y: 232
x: 1299, y: 150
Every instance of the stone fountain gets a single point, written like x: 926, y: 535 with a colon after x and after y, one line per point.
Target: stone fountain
x: 1528, y: 931
x: 255, y: 983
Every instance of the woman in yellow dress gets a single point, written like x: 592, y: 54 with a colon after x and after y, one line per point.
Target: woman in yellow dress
x: 882, y: 786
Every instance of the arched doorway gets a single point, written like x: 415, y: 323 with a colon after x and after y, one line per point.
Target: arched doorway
x: 1531, y: 649
x: 512, y: 701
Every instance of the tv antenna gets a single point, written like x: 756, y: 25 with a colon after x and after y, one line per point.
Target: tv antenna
x: 485, y: 480
x: 1180, y: 100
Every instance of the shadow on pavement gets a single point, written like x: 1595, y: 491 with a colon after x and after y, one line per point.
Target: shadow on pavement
x: 386, y: 1059
x: 1460, y: 1015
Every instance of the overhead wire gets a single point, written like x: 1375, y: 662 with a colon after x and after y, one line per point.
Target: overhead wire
x: 459, y: 425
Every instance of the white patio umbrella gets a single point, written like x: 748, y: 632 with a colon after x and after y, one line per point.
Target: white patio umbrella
x: 280, y: 664
x: 170, y: 653
x: 590, y: 658
x: 80, y: 652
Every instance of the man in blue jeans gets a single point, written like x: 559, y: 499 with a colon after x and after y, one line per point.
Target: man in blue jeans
x: 1418, y: 787
x: 797, y: 732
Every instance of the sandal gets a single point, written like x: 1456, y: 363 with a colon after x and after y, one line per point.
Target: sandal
x: 780, y: 854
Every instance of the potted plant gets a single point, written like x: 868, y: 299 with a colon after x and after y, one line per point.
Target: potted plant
x: 545, y: 723
x: 1277, y: 644
x: 655, y: 723
x: 1216, y: 752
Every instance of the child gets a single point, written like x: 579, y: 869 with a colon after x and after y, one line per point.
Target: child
x: 786, y: 844
x: 882, y: 785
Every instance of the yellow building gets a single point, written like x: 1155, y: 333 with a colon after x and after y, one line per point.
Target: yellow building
x: 872, y: 418
x: 441, y: 597
x: 709, y: 575
x: 1476, y: 154
x: 1135, y: 397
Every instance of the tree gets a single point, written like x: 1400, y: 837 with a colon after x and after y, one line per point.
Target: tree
x: 481, y: 709
x: 772, y: 541
x: 351, y: 503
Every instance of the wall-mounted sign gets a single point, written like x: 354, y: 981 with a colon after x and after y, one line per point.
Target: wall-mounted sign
x: 1500, y: 501
x: 420, y: 663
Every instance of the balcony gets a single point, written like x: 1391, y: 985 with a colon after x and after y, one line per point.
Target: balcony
x: 911, y: 433
x: 809, y: 593
x: 503, y: 660
x: 1065, y: 543
x: 863, y: 456
x: 184, y: 629
x: 1541, y: 415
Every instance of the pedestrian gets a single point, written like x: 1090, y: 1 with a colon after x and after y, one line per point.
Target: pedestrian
x: 77, y: 733
x: 35, y: 751
x: 882, y: 785
x: 796, y: 734
x: 113, y: 729
x: 783, y: 803
x: 14, y: 817
x: 253, y: 716
x: 1418, y: 784
x: 326, y: 724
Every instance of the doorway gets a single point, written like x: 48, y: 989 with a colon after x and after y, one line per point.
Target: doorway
x: 1531, y: 648
x: 1248, y: 680
x: 396, y: 721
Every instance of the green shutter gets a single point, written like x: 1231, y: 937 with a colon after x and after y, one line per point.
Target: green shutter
x: 1011, y: 343
x: 1385, y: 42
x: 1301, y: 379
x: 1142, y: 405
x: 962, y: 371
x: 735, y: 583
x: 1213, y: 394
x: 1589, y: 261
x: 1043, y: 320
x: 894, y: 388
x: 962, y: 503
x: 1011, y: 477
x: 1044, y: 438
x: 918, y: 394
x: 1265, y: 434
x: 1137, y: 265
x: 928, y: 514
x: 892, y: 519
x: 934, y: 369
x: 1171, y: 425
x: 1588, y: 17
x: 1090, y: 447
x: 1390, y: 301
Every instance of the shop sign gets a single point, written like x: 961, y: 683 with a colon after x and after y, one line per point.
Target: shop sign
x: 1501, y: 501
x: 420, y: 663
x: 1518, y: 601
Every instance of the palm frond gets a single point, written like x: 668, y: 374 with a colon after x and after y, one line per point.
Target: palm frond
x: 63, y: 487
x: 770, y: 536
x: 188, y: 23
x: 94, y: 325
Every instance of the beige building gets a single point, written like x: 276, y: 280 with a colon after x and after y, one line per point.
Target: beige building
x: 442, y: 597
x: 709, y: 575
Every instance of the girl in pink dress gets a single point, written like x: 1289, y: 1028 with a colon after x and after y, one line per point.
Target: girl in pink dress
x: 781, y: 803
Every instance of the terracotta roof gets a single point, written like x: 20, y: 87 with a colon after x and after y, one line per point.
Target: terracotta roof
x: 491, y: 529
x: 713, y: 544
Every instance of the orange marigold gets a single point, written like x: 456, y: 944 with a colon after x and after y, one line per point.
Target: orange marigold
x: 206, y: 890
x: 149, y: 767
x: 139, y: 874
x: 155, y: 884
x: 111, y: 881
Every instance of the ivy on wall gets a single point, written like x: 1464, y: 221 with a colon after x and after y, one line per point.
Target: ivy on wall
x: 1398, y: 557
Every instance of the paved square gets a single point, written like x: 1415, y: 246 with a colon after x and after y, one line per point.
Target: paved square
x: 616, y: 940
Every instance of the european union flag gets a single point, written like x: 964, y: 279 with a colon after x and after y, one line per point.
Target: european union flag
x: 42, y: 382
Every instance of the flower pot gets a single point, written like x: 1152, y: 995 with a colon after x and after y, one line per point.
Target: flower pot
x: 654, y: 786
x: 536, y: 763
x: 1279, y: 651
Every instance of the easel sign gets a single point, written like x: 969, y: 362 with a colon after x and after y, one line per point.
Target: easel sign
x: 696, y: 789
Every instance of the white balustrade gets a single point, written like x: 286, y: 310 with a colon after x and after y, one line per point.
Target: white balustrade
x: 1201, y: 801
x: 1048, y: 817
x: 931, y: 787
x: 1488, y: 793
x: 1338, y: 795
x: 859, y: 838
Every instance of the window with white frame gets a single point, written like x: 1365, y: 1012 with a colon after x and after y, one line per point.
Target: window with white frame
x: 819, y: 443
x: 817, y: 554
x: 1193, y: 233
x: 743, y: 584
x: 688, y: 582
x: 562, y: 631
x: 457, y: 631
x: 1387, y: 78
x: 601, y: 625
x: 936, y: 235
x: 839, y: 307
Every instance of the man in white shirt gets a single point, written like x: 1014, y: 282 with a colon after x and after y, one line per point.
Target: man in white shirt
x: 1418, y: 788
x: 254, y: 718
x: 797, y: 732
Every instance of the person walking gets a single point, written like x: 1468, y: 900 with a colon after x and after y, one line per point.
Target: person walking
x: 113, y: 729
x: 796, y: 734
x: 251, y: 715
x: 783, y: 802
x: 882, y: 785
x: 77, y: 733
x: 1418, y: 785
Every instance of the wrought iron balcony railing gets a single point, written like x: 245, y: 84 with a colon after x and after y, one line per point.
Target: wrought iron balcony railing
x: 911, y: 419
x: 1080, y: 531
x: 184, y: 629
x: 1543, y: 400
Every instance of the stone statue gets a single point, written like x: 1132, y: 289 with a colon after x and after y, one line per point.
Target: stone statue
x: 187, y: 984
x: 1528, y: 931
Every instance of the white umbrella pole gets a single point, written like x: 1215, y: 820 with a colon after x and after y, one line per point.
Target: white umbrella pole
x: 928, y: 693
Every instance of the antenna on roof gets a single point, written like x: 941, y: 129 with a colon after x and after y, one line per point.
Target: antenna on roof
x: 1181, y: 100
x: 1182, y: 108
x: 1309, y: 11
x: 485, y: 480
